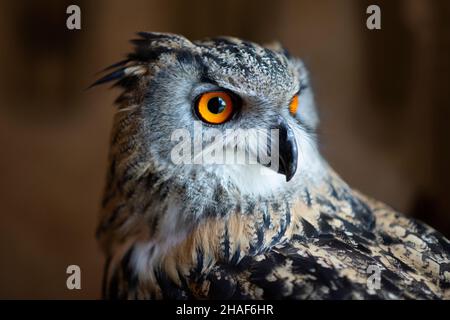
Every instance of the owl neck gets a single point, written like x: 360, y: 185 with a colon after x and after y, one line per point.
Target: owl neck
x: 157, y: 231
x: 248, y: 228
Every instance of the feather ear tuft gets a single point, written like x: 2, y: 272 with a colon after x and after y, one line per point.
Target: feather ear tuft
x: 149, y: 46
x: 115, y: 75
x: 120, y: 74
x: 116, y: 65
x: 277, y: 47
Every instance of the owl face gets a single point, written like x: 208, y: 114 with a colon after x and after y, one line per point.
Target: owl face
x: 224, y: 108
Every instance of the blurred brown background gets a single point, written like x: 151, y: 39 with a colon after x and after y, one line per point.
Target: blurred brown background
x: 383, y: 96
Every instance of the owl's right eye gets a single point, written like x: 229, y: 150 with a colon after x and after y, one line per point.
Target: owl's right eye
x: 215, y: 107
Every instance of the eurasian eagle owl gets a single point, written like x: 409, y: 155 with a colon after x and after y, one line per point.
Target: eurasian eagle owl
x: 283, y: 226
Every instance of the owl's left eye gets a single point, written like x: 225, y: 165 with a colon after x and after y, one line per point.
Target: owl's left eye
x: 215, y: 107
x: 293, y: 106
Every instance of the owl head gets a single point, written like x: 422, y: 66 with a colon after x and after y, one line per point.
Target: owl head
x: 217, y: 113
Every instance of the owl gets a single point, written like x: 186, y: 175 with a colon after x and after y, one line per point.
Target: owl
x: 283, y: 226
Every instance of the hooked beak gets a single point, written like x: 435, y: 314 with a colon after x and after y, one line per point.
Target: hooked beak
x: 287, y: 149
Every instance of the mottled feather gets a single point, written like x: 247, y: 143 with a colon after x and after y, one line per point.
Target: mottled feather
x: 194, y: 234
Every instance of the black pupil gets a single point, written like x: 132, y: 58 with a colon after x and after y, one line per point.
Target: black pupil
x: 216, y: 105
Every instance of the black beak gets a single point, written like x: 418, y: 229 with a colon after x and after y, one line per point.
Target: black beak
x: 287, y: 157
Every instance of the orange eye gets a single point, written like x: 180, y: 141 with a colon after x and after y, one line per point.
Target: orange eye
x: 293, y: 106
x: 215, y: 107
